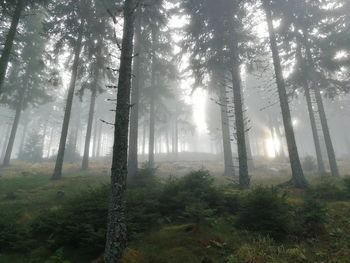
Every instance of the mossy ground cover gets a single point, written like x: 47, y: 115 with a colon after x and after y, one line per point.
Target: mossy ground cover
x: 27, y: 194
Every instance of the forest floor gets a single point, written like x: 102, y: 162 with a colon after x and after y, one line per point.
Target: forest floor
x: 26, y: 192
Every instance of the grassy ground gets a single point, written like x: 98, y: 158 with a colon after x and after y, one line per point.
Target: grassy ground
x: 26, y: 190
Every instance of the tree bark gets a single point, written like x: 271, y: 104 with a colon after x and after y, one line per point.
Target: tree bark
x: 152, y: 101
x: 6, y: 138
x: 24, y: 133
x: 50, y: 142
x: 321, y: 110
x: 99, y: 141
x: 135, y: 100
x: 116, y: 240
x: 306, y: 86
x: 14, y: 129
x: 5, y: 56
x: 85, y: 163
x: 298, y: 177
x: 226, y: 138
x: 57, y: 174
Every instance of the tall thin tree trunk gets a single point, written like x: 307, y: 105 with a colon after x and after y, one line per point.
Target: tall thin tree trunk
x: 19, y: 108
x: 320, y: 164
x: 144, y: 139
x: 134, y: 116
x: 226, y: 139
x: 50, y: 143
x: 94, y: 144
x: 6, y: 52
x: 116, y: 241
x: 24, y: 133
x: 151, y: 142
x: 244, y: 179
x: 85, y: 163
x: 99, y: 140
x: 306, y: 86
x: 176, y: 134
x: 327, y: 136
x: 323, y: 118
x: 6, y: 138
x: 57, y: 174
x: 298, y: 177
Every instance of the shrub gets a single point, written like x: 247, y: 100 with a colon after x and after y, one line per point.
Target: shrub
x: 266, y: 211
x: 311, y: 217
x: 346, y: 183
x: 33, y: 149
x: 327, y: 190
x: 309, y: 164
x: 80, y: 222
x: 194, y: 188
x: 145, y: 177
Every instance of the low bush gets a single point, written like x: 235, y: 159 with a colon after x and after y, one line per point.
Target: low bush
x: 309, y: 164
x: 193, y: 190
x: 266, y: 211
x: 310, y: 218
x: 12, y: 234
x: 80, y: 222
x: 327, y: 190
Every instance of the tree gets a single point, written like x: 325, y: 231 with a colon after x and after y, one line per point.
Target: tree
x: 135, y: 97
x: 33, y: 148
x: 298, y: 178
x: 116, y: 241
x: 28, y: 82
x: 216, y: 39
x: 69, y: 26
x: 5, y: 55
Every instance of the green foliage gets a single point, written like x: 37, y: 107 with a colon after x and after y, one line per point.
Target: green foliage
x: 33, y: 149
x: 193, y: 190
x: 58, y: 257
x: 13, y: 236
x: 311, y: 218
x: 266, y: 211
x: 145, y: 177
x: 346, y: 182
x: 79, y: 223
x: 327, y: 190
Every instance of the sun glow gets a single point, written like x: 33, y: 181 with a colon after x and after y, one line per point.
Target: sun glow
x: 273, y: 146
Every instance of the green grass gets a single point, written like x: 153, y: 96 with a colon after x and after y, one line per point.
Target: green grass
x: 25, y: 191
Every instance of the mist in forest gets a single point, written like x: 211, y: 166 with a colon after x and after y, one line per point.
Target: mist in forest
x: 151, y: 97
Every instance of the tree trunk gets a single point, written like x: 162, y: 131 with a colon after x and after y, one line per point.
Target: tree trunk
x: 57, y: 174
x: 306, y: 86
x: 320, y: 164
x: 144, y: 139
x: 24, y: 133
x: 6, y: 138
x: 134, y: 116
x: 5, y: 56
x: 12, y: 138
x: 152, y: 101
x: 297, y: 172
x: 244, y: 180
x: 50, y: 143
x: 226, y: 139
x: 99, y: 141
x: 85, y: 163
x: 323, y: 118
x: 327, y: 136
x: 116, y: 241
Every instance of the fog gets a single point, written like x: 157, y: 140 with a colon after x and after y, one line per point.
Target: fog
x: 254, y: 92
